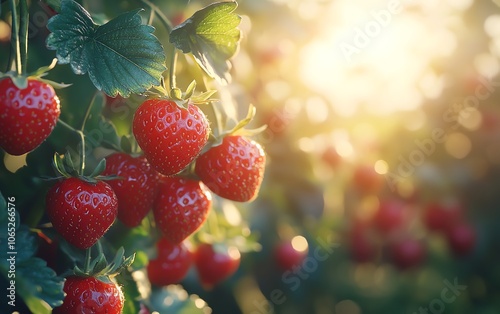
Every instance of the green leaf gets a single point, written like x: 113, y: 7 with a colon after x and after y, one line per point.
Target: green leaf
x: 38, y: 285
x: 212, y: 36
x: 130, y: 291
x: 121, y: 56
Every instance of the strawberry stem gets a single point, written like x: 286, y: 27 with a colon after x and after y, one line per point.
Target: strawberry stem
x: 82, y: 134
x: 213, y: 226
x: 23, y: 34
x: 168, y: 26
x: 218, y: 119
x: 171, y: 69
x: 88, y: 259
x: 163, y: 18
x: 15, y: 36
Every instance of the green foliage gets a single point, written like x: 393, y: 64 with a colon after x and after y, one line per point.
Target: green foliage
x: 121, y: 56
x: 212, y: 36
x: 38, y: 285
x: 180, y: 302
x: 130, y: 292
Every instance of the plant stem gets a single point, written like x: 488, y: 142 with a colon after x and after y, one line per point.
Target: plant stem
x: 218, y: 119
x: 88, y: 258
x: 213, y: 226
x: 82, y: 134
x: 163, y: 18
x: 171, y: 69
x: 23, y: 34
x: 172, y: 51
x: 15, y: 36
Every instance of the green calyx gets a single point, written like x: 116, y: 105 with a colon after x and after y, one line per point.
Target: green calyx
x: 21, y: 80
x: 65, y: 165
x: 239, y: 129
x: 101, y: 269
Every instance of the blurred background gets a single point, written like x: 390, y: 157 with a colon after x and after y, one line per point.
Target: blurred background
x: 383, y: 147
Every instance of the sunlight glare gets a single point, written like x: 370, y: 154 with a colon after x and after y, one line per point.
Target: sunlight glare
x: 386, y: 67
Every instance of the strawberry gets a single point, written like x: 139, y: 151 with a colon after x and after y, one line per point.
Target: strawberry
x: 81, y: 211
x: 461, y: 238
x: 171, y: 264
x: 234, y: 169
x: 171, y: 137
x: 287, y: 256
x: 27, y: 116
x: 215, y: 263
x: 90, y: 295
x: 136, y: 191
x: 181, y: 207
x: 407, y: 253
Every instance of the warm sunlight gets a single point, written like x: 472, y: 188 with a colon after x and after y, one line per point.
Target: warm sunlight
x: 380, y: 58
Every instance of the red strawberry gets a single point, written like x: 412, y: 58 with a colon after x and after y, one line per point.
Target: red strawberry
x: 287, y: 256
x: 171, y: 137
x: 407, y: 253
x: 27, y: 116
x: 81, y: 211
x: 215, y: 263
x: 362, y: 245
x: 234, y: 169
x: 439, y: 216
x: 171, y: 264
x: 90, y: 295
x: 136, y: 191
x: 461, y: 238
x: 181, y: 207
x: 390, y: 216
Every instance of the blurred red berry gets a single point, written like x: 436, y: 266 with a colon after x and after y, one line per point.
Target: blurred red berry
x: 439, y: 216
x: 390, y: 216
x: 407, y: 253
x: 461, y: 238
x: 287, y: 256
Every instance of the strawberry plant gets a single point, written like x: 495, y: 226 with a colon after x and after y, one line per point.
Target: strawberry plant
x: 104, y: 180
x: 214, y: 156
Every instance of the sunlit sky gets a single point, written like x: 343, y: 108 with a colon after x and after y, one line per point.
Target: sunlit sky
x: 363, y: 59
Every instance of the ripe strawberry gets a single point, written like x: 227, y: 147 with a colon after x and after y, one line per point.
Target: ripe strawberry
x: 136, y: 191
x: 461, y: 238
x: 81, y: 211
x: 407, y: 253
x: 181, y: 207
x: 390, y: 216
x: 287, y: 256
x: 215, y: 263
x: 171, y: 264
x: 171, y: 137
x: 233, y: 170
x: 362, y: 245
x: 27, y: 116
x: 90, y: 295
x: 440, y: 216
